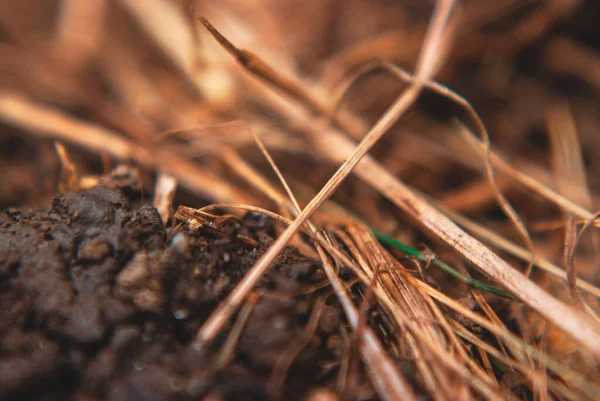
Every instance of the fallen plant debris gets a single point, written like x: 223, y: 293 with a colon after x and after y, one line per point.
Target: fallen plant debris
x: 303, y: 200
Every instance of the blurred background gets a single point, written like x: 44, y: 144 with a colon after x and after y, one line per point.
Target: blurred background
x: 138, y: 94
x: 144, y: 68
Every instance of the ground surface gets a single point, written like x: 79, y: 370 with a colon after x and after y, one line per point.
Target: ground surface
x: 99, y: 300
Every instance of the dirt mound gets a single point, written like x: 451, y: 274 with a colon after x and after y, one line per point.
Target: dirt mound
x: 99, y: 300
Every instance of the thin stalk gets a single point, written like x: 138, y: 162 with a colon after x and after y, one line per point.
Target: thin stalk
x: 415, y: 253
x: 213, y: 324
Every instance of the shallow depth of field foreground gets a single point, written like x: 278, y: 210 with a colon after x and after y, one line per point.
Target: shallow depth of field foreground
x: 317, y: 200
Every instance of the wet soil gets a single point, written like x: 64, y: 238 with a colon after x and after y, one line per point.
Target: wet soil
x: 99, y: 301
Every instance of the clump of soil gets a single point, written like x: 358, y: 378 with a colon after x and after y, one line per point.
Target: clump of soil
x: 99, y: 301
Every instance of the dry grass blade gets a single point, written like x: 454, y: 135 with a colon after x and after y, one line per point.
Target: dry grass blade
x: 164, y: 192
x: 571, y: 254
x: 81, y: 30
x: 215, y: 321
x: 168, y: 27
x: 288, y: 190
x: 204, y: 145
x: 567, y: 156
x: 337, y: 147
x: 385, y: 376
x: 261, y: 69
x: 273, y: 165
x: 386, y: 299
x: 398, y: 287
x: 47, y: 122
x: 485, y: 139
x: 570, y: 376
x: 533, y: 376
x: 227, y: 352
x: 476, y: 196
x: 582, y: 61
x: 481, y: 145
x: 389, y: 383
x: 257, y: 180
x: 185, y: 213
x: 479, y: 382
x: 154, y: 89
x: 69, y: 178
x: 510, y: 247
x: 241, y: 167
x: 568, y: 166
x: 569, y: 251
x: 525, y: 180
x: 200, y: 338
x: 576, y: 324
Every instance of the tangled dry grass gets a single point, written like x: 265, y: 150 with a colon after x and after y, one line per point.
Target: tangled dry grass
x: 348, y: 105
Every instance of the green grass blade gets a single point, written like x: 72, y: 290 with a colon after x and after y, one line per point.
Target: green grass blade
x: 410, y: 251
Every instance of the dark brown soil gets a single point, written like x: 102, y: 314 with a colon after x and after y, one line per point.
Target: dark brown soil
x: 99, y: 301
